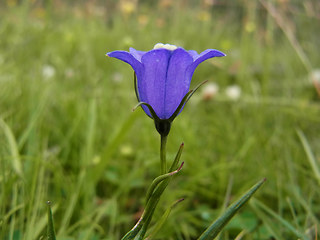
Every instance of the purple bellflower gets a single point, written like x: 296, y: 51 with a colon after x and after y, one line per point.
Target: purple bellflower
x: 163, y: 77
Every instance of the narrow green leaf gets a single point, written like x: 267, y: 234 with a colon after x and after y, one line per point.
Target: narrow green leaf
x: 155, y: 197
x: 138, y: 231
x: 311, y: 157
x: 113, y: 144
x: 13, y: 147
x: 176, y: 160
x: 281, y: 220
x: 216, y: 227
x: 50, y: 228
x: 159, y: 179
x: 268, y: 223
x: 163, y: 219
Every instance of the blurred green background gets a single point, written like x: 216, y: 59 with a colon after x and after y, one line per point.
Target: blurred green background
x: 68, y: 135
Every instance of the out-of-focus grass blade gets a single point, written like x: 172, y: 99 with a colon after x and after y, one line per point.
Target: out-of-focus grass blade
x: 216, y: 227
x: 16, y: 160
x: 113, y: 144
x: 33, y: 121
x: 310, y: 155
x: 268, y: 223
x: 162, y: 220
x: 50, y: 228
x: 285, y: 223
x: 72, y: 203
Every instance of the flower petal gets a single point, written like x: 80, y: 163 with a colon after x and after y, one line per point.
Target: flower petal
x: 128, y: 58
x: 193, y: 53
x: 178, y: 83
x: 151, y: 86
x: 209, y: 53
x: 136, y: 53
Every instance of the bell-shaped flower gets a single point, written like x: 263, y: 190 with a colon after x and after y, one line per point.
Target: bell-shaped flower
x: 163, y: 77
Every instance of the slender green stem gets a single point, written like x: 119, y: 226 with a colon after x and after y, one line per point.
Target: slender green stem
x: 139, y: 230
x: 163, y: 160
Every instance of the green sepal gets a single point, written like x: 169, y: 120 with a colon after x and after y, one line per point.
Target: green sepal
x: 163, y: 126
x: 195, y: 89
x: 182, y: 103
x: 184, y: 100
x: 152, y: 112
x: 216, y: 227
x: 136, y: 86
x: 50, y: 228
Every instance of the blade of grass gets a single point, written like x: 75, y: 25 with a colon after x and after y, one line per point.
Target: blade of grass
x: 279, y: 219
x: 72, y: 203
x: 51, y: 235
x: 267, y: 223
x: 311, y: 157
x: 162, y: 220
x: 279, y: 19
x: 113, y: 144
x: 13, y: 147
x: 13, y: 218
x: 215, y: 228
x: 33, y: 121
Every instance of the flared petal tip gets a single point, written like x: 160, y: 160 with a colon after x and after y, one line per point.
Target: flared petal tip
x: 110, y: 54
x: 219, y: 53
x: 115, y: 53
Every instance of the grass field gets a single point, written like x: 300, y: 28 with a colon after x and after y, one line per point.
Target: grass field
x: 68, y: 135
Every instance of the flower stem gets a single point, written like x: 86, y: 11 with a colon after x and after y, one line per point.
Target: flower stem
x: 139, y: 230
x: 163, y: 161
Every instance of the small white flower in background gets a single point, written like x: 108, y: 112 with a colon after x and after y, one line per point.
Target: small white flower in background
x: 209, y: 91
x: 315, y: 76
x: 233, y: 92
x: 48, y: 71
x: 315, y: 79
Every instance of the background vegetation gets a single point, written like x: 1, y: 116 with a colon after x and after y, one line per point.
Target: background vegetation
x: 67, y: 133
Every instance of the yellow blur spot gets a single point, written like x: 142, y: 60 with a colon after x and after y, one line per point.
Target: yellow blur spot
x: 204, y: 16
x: 11, y: 3
x: 128, y: 7
x: 250, y: 27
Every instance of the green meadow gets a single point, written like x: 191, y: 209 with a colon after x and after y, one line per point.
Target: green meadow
x: 68, y: 133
